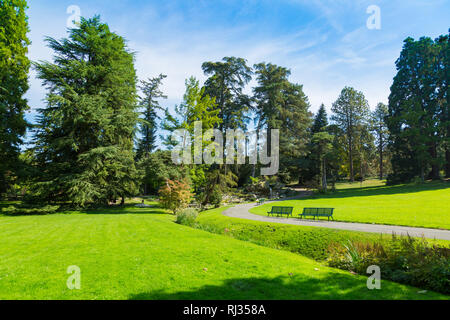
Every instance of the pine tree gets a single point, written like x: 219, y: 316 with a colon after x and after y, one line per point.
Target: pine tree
x: 227, y: 79
x: 148, y: 125
x: 442, y: 96
x: 269, y: 94
x: 322, y: 146
x: 280, y: 104
x: 84, y: 138
x: 313, y: 164
x: 350, y: 110
x: 320, y: 120
x: 418, y: 110
x: 382, y: 133
x: 14, y: 67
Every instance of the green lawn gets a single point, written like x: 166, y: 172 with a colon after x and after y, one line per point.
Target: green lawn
x: 423, y: 205
x: 134, y: 253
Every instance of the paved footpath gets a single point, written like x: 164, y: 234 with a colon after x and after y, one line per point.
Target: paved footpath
x: 241, y: 211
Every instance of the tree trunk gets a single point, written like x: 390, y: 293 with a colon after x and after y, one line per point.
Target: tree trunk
x: 324, y: 176
x: 447, y: 163
x: 361, y: 171
x: 447, y: 153
x: 350, y: 156
x: 381, y: 155
x: 434, y: 166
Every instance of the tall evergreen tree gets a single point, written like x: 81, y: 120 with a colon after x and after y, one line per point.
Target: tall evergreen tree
x: 442, y: 96
x: 14, y: 67
x: 320, y: 120
x: 417, y: 110
x: 148, y: 126
x: 280, y: 104
x: 269, y: 94
x: 296, y: 120
x: 84, y: 138
x: 382, y: 133
x: 313, y: 164
x: 225, y: 83
x: 227, y: 79
x: 322, y: 146
x: 350, y: 111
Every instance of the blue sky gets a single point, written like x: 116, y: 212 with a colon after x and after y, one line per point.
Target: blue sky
x: 326, y: 44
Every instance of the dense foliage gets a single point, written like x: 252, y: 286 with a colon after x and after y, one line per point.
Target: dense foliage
x: 14, y: 67
x: 24, y: 210
x: 96, y: 141
x: 175, y: 195
x: 418, y: 118
x: 403, y: 259
x: 84, y: 137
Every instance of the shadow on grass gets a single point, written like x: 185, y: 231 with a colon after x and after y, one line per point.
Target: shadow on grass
x: 126, y: 209
x: 337, y: 286
x: 382, y: 190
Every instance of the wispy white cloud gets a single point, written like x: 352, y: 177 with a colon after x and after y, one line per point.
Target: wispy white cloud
x: 329, y: 48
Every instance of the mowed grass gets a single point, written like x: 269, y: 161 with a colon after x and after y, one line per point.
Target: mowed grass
x: 135, y: 253
x: 423, y: 205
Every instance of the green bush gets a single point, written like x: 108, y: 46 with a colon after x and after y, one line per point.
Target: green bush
x: 28, y: 211
x: 187, y: 217
x: 216, y: 197
x: 403, y: 259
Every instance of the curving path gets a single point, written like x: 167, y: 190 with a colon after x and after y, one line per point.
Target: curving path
x: 242, y: 211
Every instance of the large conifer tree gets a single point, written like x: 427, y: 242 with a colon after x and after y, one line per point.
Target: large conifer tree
x: 350, y: 112
x: 418, y: 110
x: 84, y: 139
x: 227, y: 79
x: 382, y: 133
x: 280, y: 104
x: 151, y: 92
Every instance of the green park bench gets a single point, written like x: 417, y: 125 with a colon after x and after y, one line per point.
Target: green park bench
x: 279, y: 211
x: 261, y: 201
x: 317, y: 212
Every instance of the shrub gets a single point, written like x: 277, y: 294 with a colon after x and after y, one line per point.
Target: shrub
x: 175, y: 195
x: 403, y: 259
x: 187, y: 217
x: 28, y: 211
x: 216, y: 197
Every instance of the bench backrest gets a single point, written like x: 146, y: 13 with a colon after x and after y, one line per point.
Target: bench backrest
x: 282, y: 210
x: 318, y: 211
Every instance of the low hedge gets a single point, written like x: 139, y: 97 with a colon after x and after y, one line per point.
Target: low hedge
x: 28, y: 211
